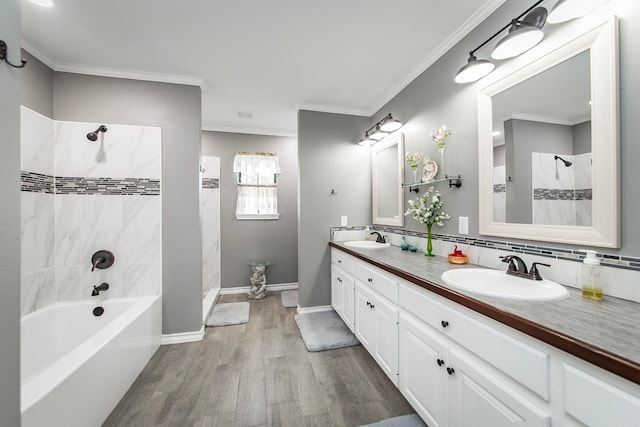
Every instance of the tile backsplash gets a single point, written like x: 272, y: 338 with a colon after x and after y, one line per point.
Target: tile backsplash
x: 620, y: 274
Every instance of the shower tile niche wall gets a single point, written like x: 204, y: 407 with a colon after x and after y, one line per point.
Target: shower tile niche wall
x: 80, y: 196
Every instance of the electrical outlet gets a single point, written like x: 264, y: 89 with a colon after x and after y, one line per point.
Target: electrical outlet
x: 463, y: 225
x: 343, y: 220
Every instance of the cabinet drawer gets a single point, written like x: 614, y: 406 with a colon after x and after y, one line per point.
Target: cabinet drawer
x: 343, y: 260
x: 383, y: 283
x: 522, y: 362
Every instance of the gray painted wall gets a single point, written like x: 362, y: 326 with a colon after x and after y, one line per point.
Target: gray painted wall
x: 433, y: 98
x: 176, y: 109
x: 247, y: 240
x: 37, y: 86
x: 329, y: 158
x: 582, y: 138
x: 525, y: 138
x: 10, y: 218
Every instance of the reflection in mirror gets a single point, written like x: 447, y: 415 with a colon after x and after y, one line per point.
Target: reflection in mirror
x: 542, y: 147
x: 387, y: 168
x: 548, y: 144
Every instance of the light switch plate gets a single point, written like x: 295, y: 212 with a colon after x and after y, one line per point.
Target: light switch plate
x: 463, y: 225
x: 343, y: 220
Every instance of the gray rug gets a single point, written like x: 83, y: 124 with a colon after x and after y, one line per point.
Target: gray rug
x: 404, y: 421
x: 233, y: 313
x: 324, y: 330
x: 289, y: 298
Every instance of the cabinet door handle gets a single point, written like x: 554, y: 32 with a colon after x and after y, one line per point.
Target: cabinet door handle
x: 450, y: 371
x: 339, y: 261
x: 440, y: 362
x: 373, y: 306
x: 444, y: 323
x: 369, y: 280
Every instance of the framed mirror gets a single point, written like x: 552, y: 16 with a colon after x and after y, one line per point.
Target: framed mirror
x: 387, y: 172
x: 548, y: 146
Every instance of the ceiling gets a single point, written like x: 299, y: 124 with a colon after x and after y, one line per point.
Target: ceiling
x: 263, y: 59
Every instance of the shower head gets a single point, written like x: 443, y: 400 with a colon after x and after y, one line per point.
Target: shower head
x: 93, y: 136
x: 566, y: 162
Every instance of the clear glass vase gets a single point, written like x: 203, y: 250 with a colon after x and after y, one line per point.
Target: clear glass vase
x: 443, y: 174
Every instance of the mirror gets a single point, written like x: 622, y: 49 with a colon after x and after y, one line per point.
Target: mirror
x: 548, y: 146
x: 387, y: 171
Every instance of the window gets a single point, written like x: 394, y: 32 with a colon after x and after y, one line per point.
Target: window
x: 257, y: 178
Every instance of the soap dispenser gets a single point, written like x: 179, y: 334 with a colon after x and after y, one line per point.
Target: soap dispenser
x: 591, y: 281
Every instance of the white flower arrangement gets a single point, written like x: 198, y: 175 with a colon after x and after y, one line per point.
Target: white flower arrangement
x: 427, y: 209
x: 440, y: 136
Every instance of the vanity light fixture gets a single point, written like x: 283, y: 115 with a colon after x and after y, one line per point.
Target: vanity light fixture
x: 380, y: 130
x: 523, y: 35
x: 566, y: 10
x: 521, y: 30
x: 43, y: 3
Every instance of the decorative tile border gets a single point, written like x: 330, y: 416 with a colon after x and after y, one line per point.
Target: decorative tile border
x: 36, y: 182
x: 500, y: 188
x: 80, y: 185
x: 615, y: 261
x: 211, y: 183
x: 556, y: 194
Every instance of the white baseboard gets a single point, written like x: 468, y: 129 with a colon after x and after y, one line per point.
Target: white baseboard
x: 208, y: 303
x: 182, y: 337
x: 245, y: 289
x: 316, y: 309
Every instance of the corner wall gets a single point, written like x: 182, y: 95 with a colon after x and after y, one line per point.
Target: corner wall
x: 10, y: 218
x: 329, y: 158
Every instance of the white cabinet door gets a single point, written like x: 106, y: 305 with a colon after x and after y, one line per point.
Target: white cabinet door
x: 423, y: 376
x: 478, y: 397
x: 336, y: 290
x: 347, y: 284
x: 386, y: 337
x: 365, y: 317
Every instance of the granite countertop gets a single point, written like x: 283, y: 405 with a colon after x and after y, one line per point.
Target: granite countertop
x: 604, y: 333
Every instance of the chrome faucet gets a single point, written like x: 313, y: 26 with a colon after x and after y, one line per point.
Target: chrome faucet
x: 519, y: 268
x: 380, y: 238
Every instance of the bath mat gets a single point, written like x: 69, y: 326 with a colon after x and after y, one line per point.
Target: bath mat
x: 233, y: 313
x: 324, y: 330
x: 404, y: 421
x: 289, y: 298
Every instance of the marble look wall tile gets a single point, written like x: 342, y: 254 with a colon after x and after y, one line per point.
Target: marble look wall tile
x: 556, y: 212
x: 142, y: 279
x: 122, y: 151
x: 582, y: 171
x: 69, y: 213
x: 211, y: 166
x: 38, y: 232
x: 70, y: 283
x: 37, y: 290
x: 142, y: 229
x: 36, y: 142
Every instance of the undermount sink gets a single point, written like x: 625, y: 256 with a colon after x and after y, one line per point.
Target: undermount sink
x: 499, y: 284
x: 366, y: 244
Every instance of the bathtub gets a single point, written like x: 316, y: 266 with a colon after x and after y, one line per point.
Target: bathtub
x: 75, y: 367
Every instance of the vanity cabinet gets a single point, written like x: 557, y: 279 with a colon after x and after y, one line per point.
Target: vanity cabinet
x: 448, y: 386
x: 377, y: 328
x: 343, y: 288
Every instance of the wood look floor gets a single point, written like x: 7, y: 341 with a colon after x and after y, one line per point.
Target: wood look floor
x: 258, y: 374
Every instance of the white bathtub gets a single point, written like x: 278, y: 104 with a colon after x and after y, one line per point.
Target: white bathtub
x: 75, y: 367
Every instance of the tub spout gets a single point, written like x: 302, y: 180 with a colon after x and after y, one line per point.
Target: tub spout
x: 100, y: 288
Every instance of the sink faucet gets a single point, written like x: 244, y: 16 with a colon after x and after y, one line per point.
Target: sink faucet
x: 517, y: 267
x: 380, y: 238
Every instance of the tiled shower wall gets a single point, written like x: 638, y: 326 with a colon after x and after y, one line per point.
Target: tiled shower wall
x: 210, y: 215
x: 80, y: 196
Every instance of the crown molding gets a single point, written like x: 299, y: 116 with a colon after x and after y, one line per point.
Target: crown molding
x: 248, y: 130
x: 38, y: 54
x: 334, y: 109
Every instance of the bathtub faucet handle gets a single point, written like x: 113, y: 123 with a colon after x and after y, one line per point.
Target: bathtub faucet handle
x: 96, y: 262
x: 100, y: 288
x: 102, y: 259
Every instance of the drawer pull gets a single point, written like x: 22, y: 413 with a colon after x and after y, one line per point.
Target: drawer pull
x: 369, y: 280
x: 450, y: 371
x: 339, y: 261
x: 440, y: 362
x: 368, y: 303
x: 444, y: 323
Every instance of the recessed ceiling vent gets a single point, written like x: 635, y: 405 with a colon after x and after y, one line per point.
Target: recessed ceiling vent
x: 244, y: 114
